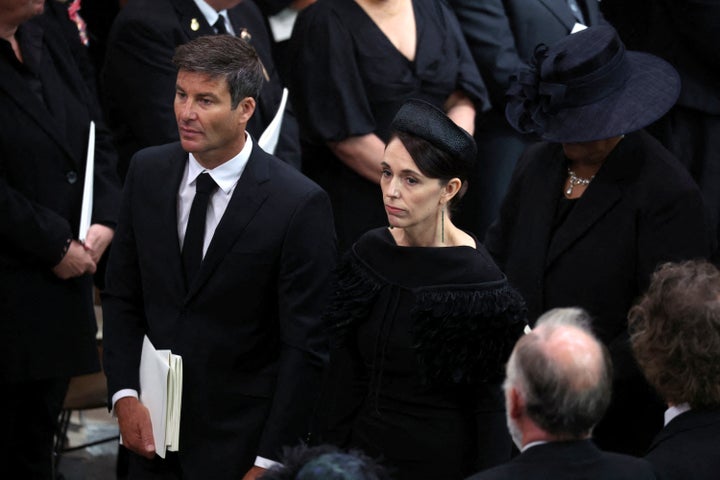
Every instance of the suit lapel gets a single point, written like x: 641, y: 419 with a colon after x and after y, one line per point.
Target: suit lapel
x: 250, y: 193
x: 192, y: 20
x: 15, y: 87
x: 543, y: 189
x: 167, y: 190
x: 560, y: 9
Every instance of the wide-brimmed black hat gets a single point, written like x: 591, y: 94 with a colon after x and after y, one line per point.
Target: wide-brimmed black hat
x: 588, y: 87
x: 424, y: 120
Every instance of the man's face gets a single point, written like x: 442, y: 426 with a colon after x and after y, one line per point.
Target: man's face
x: 209, y: 128
x: 15, y: 12
x: 219, y: 5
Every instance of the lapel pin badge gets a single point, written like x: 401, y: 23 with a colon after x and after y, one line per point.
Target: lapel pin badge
x: 194, y: 25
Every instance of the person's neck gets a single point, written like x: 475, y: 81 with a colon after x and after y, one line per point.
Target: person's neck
x: 433, y: 235
x: 7, y: 32
x: 386, y: 8
x: 210, y: 160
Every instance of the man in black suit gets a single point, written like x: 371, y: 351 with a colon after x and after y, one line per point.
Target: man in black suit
x: 557, y: 388
x: 502, y: 36
x: 676, y: 340
x: 138, y: 78
x: 47, y: 323
x: 243, y: 308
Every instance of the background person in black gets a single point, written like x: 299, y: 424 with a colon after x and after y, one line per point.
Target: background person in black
x: 47, y: 326
x: 359, y: 61
x: 502, y: 36
x: 593, y: 209
x: 138, y: 77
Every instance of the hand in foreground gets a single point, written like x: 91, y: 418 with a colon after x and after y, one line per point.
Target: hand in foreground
x: 76, y: 262
x: 254, y: 473
x: 135, y: 426
x: 97, y: 240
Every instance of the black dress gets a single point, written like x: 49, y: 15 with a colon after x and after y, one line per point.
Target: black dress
x: 421, y: 339
x: 350, y: 80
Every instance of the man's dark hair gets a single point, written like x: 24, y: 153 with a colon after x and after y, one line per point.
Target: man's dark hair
x: 675, y: 333
x: 224, y: 56
x: 565, y: 398
x: 325, y: 462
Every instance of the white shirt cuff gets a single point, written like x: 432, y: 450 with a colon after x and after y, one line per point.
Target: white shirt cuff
x: 125, y: 392
x: 265, y: 462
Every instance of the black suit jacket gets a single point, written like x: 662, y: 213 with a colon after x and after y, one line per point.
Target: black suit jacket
x: 138, y: 78
x: 48, y: 325
x: 569, y: 460
x: 688, y: 446
x: 502, y: 34
x: 248, y: 328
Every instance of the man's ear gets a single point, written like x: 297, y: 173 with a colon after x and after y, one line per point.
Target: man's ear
x: 516, y: 403
x: 246, y: 109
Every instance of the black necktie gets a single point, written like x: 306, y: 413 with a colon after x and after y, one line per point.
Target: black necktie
x: 219, y: 25
x: 192, y: 252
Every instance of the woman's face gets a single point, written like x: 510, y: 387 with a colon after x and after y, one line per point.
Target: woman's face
x: 590, y: 152
x: 411, y: 199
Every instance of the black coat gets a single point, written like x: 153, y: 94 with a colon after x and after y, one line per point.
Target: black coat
x: 138, y: 78
x: 641, y: 209
x: 248, y: 328
x: 48, y: 325
x: 687, y: 447
x: 571, y: 461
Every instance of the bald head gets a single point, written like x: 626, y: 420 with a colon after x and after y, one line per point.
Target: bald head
x: 563, y: 374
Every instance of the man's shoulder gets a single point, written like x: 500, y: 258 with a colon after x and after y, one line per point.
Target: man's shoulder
x: 149, y: 159
x: 287, y: 178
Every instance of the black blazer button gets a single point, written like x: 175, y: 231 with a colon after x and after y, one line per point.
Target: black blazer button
x: 71, y: 177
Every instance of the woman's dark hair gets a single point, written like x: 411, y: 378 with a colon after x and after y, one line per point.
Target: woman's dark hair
x: 436, y: 163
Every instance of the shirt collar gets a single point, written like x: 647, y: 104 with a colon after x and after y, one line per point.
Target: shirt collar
x: 533, y: 444
x: 674, y: 411
x: 227, y: 174
x: 210, y: 14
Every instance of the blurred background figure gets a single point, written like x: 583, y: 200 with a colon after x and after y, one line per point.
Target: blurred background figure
x: 676, y: 339
x: 502, y: 36
x: 593, y: 209
x: 685, y: 34
x: 46, y: 274
x: 557, y: 388
x: 357, y: 63
x: 138, y: 77
x: 325, y: 462
x: 423, y: 321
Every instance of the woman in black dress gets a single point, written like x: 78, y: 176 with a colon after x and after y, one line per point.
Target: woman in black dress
x: 357, y: 62
x: 423, y: 319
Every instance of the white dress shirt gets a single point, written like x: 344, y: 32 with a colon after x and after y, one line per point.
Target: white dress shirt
x: 211, y: 15
x: 226, y: 176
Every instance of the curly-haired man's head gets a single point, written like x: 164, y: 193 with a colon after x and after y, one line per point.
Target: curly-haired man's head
x: 675, y: 333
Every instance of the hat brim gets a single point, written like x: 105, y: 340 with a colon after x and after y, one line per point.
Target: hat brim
x: 652, y: 88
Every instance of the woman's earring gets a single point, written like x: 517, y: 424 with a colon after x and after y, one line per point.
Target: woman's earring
x: 442, y: 224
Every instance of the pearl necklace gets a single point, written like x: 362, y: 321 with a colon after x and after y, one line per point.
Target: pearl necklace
x: 575, y: 181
